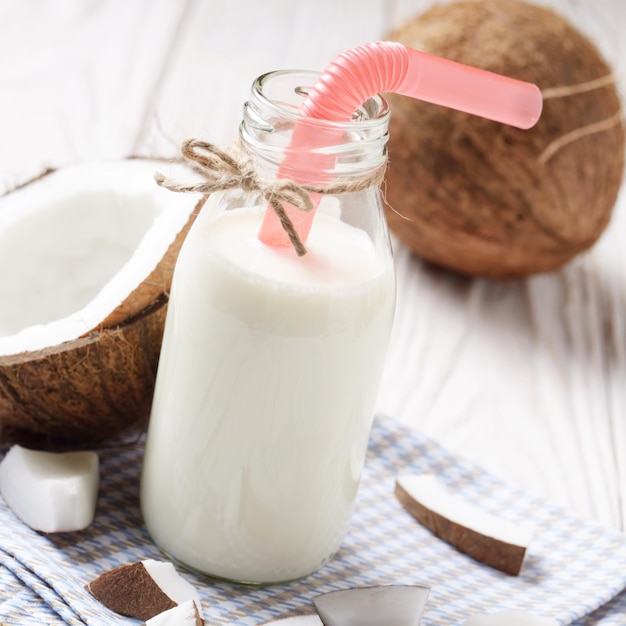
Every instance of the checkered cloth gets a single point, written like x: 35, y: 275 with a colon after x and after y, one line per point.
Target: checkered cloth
x: 575, y: 571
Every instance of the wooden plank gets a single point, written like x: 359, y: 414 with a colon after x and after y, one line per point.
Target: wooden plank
x: 76, y: 79
x: 223, y: 48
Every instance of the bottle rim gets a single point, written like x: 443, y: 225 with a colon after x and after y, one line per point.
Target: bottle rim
x: 371, y: 114
x: 273, y: 110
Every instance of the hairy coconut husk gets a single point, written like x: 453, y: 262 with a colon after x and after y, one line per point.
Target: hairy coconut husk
x: 482, y: 198
x: 85, y: 390
x: 97, y: 386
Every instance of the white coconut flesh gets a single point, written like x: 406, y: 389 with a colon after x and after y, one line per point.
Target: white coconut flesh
x: 185, y: 614
x: 50, y: 492
x: 428, y: 490
x: 75, y: 243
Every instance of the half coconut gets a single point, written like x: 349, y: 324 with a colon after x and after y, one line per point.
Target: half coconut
x: 87, y: 255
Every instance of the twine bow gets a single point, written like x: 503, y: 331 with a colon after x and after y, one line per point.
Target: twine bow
x: 232, y: 169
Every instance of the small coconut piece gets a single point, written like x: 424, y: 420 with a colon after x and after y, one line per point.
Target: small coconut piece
x: 185, y: 614
x: 86, y: 259
x: 143, y: 589
x: 392, y: 605
x: 509, y: 618
x: 50, y: 492
x: 487, y: 538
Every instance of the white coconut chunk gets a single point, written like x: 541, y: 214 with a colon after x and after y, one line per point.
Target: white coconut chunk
x: 488, y: 538
x: 509, y: 618
x: 300, y: 620
x: 171, y: 582
x: 185, y: 614
x: 50, y: 492
x: 392, y: 605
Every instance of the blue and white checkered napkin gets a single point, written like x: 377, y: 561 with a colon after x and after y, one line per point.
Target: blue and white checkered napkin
x: 575, y: 571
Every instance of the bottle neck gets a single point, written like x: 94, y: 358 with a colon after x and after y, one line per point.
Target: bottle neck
x: 285, y: 144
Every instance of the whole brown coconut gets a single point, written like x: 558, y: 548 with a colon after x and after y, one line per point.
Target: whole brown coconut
x: 482, y: 198
x: 88, y: 376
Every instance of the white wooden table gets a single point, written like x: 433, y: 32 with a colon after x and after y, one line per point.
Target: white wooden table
x: 526, y: 377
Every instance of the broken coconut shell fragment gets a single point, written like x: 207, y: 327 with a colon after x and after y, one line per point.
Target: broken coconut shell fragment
x: 392, y: 605
x: 86, y: 260
x: 491, y: 540
x: 143, y: 589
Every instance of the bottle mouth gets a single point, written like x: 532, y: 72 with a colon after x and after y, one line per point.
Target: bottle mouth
x: 273, y: 110
x: 285, y: 92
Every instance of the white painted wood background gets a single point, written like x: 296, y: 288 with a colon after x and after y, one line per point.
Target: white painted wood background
x: 526, y: 377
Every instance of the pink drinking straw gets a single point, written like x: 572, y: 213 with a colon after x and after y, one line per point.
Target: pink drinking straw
x: 386, y: 66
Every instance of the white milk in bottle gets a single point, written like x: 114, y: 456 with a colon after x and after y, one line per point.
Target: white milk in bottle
x: 266, y: 389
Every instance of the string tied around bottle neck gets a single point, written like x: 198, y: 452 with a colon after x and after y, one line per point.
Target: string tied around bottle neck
x: 232, y: 168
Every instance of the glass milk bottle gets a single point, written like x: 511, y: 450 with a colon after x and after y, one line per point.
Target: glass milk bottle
x: 271, y: 361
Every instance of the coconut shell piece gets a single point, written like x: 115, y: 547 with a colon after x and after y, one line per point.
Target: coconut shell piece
x: 144, y: 589
x: 496, y: 542
x: 482, y: 198
x: 97, y: 384
x: 86, y: 390
x: 130, y: 590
